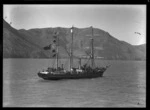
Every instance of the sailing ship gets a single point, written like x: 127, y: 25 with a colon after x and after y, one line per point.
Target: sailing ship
x: 83, y: 71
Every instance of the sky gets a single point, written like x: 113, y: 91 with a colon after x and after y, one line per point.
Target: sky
x: 120, y: 21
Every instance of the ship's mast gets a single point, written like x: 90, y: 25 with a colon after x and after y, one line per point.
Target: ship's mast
x: 92, y: 50
x: 57, y: 47
x: 71, y: 50
x: 79, y: 63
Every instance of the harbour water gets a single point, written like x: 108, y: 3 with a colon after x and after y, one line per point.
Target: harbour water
x: 123, y: 85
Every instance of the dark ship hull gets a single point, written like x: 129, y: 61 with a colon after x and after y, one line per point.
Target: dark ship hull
x: 68, y: 75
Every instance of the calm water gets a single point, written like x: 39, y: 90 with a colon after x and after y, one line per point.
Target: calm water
x: 123, y: 85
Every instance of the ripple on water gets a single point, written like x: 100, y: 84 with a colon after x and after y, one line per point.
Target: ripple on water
x: 123, y: 85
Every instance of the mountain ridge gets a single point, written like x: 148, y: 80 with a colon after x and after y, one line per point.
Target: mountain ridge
x: 29, y: 43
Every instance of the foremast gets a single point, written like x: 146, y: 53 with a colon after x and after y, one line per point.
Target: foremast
x: 55, y: 47
x: 71, y: 50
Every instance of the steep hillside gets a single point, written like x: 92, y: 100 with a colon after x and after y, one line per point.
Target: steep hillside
x: 30, y: 43
x: 16, y: 46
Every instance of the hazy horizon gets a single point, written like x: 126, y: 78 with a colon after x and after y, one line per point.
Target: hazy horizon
x: 120, y: 21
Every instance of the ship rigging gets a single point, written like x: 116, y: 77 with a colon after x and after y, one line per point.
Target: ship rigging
x: 55, y: 73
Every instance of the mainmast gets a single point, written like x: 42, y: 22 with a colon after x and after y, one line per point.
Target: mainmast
x: 92, y: 50
x: 57, y: 47
x: 71, y: 50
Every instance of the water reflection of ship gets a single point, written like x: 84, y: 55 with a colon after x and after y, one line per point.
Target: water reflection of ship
x: 83, y: 71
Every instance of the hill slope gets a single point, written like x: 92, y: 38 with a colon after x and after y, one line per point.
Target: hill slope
x: 30, y: 43
x: 16, y: 46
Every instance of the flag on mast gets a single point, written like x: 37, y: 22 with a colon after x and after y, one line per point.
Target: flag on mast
x: 71, y: 29
x: 47, y: 47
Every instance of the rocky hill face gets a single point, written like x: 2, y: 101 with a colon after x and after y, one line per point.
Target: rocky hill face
x: 29, y: 44
x: 15, y: 45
